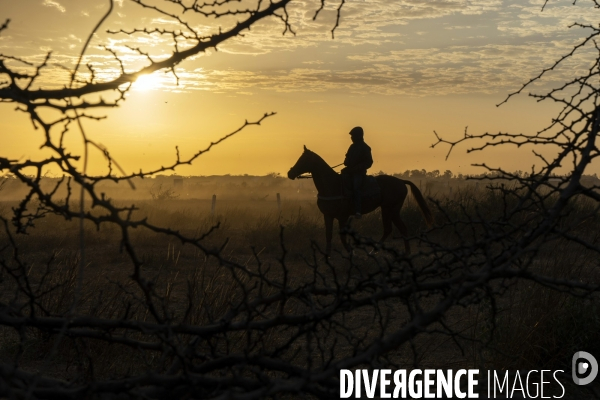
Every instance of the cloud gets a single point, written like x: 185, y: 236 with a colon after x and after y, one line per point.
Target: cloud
x: 401, y: 47
x: 368, y: 22
x: 55, y: 4
x: 526, y: 19
x: 489, y: 68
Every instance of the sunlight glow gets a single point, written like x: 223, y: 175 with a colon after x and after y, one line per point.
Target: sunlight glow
x: 147, y: 82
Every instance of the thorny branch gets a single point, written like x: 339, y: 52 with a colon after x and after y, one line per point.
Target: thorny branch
x: 260, y: 330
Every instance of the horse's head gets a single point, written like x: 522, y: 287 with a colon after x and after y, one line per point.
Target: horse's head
x: 303, y: 165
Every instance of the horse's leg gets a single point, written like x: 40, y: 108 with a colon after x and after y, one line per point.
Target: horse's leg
x: 402, y: 228
x: 386, y: 218
x: 343, y: 223
x: 328, y: 232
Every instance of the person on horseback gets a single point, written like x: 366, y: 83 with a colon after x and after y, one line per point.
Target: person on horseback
x: 358, y: 160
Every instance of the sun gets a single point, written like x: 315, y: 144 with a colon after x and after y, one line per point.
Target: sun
x: 147, y: 82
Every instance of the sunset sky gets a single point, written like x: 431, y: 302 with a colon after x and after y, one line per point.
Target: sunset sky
x: 399, y: 69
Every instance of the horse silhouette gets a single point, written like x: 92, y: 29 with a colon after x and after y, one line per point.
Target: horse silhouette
x: 335, y: 205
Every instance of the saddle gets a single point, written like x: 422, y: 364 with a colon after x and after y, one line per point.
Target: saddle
x: 369, y: 188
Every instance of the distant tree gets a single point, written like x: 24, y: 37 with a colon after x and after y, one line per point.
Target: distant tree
x: 405, y: 174
x: 433, y: 174
x: 416, y: 174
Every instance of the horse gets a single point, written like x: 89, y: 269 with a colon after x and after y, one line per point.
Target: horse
x: 334, y: 205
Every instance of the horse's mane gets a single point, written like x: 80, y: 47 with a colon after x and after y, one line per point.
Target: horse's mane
x: 318, y: 157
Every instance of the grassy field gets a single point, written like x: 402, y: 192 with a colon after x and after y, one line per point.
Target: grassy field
x: 527, y: 327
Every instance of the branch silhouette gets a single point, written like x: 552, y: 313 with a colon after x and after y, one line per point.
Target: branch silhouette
x: 264, y: 328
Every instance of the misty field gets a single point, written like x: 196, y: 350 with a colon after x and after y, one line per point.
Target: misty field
x: 525, y: 326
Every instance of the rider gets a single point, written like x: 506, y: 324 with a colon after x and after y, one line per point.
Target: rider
x: 358, y: 160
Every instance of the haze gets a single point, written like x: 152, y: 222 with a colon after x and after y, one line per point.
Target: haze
x: 399, y: 69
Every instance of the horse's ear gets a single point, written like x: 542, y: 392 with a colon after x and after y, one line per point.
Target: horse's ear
x: 305, y: 148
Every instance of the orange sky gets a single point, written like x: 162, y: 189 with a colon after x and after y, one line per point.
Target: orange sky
x: 399, y: 69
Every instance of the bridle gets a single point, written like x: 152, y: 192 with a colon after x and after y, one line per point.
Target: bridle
x: 310, y: 176
x: 341, y: 197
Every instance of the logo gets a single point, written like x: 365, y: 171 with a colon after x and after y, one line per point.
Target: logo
x: 459, y: 384
x: 584, y: 368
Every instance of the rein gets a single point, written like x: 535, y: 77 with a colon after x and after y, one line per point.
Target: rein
x: 325, y: 197
x: 310, y: 176
x: 318, y: 195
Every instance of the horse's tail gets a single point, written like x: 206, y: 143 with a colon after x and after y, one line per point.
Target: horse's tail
x: 421, y: 202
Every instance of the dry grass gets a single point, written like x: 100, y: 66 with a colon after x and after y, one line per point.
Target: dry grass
x: 533, y: 327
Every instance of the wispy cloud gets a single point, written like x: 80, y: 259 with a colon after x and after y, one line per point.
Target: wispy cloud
x: 404, y: 47
x: 55, y: 4
x: 414, y: 72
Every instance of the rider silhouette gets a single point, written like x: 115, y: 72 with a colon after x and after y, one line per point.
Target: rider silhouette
x: 358, y: 160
